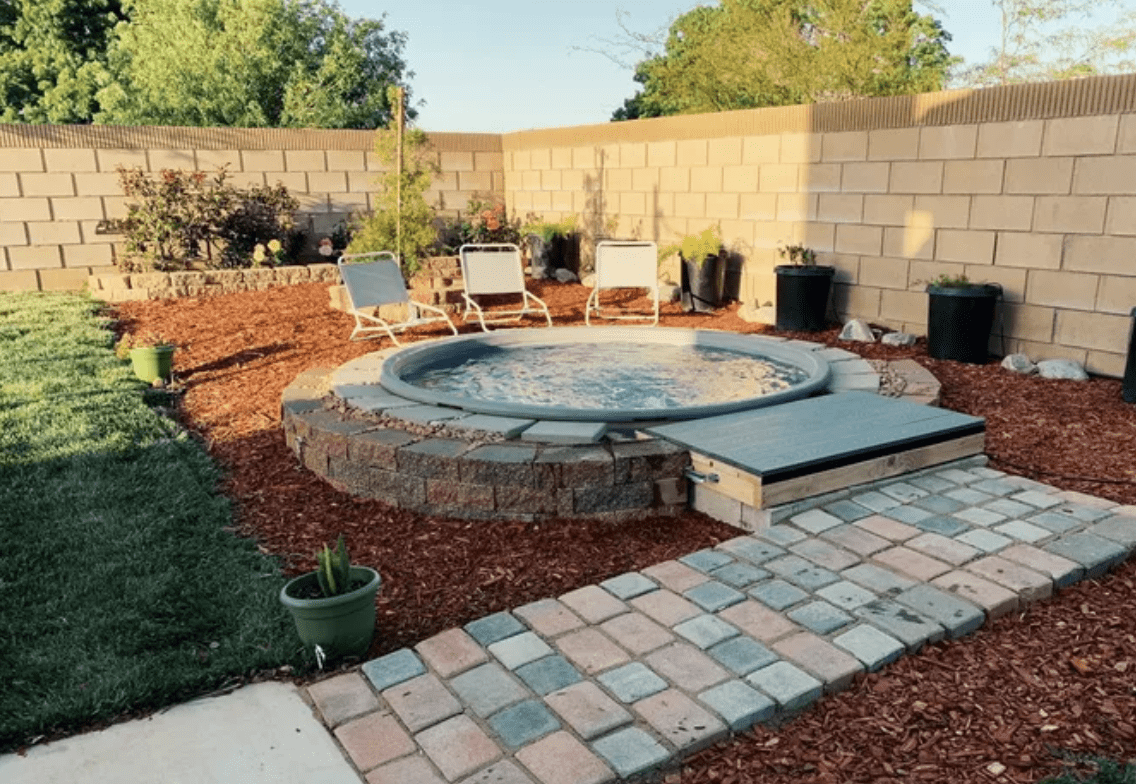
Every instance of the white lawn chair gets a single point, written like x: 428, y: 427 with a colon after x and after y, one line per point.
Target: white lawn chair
x: 625, y: 265
x: 496, y: 269
x: 373, y: 280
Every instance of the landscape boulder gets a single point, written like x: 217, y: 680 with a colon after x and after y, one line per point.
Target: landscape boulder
x: 859, y: 331
x: 1019, y: 363
x: 1062, y: 368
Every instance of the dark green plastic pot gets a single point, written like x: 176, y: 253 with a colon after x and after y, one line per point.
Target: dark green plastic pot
x: 703, y: 283
x: 152, y: 362
x: 341, y: 625
x: 802, y: 296
x: 959, y: 319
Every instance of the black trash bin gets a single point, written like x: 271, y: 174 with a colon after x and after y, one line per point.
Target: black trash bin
x: 802, y: 296
x: 959, y: 319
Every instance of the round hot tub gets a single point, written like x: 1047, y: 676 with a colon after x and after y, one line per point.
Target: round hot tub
x: 607, y: 374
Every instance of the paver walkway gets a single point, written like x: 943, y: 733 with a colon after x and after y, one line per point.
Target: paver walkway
x: 612, y: 680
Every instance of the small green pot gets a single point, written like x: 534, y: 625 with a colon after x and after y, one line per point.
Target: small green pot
x: 152, y: 362
x: 341, y: 625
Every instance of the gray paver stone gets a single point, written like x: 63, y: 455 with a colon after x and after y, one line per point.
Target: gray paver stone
x: 739, y: 574
x: 519, y: 649
x: 740, y: 705
x: 907, y: 514
x: 848, y: 511
x: 629, y: 585
x: 977, y: 516
x: 777, y: 594
x: 508, y: 427
x: 742, y: 655
x: 802, y: 573
x: 494, y: 628
x: 941, y: 504
x: 998, y: 487
x: 705, y: 630
x: 995, y: 600
x: 901, y: 622
x: 932, y: 483
x: 487, y: 689
x: 706, y: 560
x: 1053, y: 520
x: 790, y: 686
x: 549, y: 674
x: 846, y: 595
x: 1119, y: 528
x: 523, y: 723
x: 986, y: 541
x: 941, y: 524
x: 817, y: 520
x: 548, y: 432
x: 957, y: 616
x: 820, y: 658
x: 587, y: 710
x: 394, y: 668
x: 1085, y: 512
x: 631, y: 751
x: 875, y: 500
x: 871, y: 646
x: 1062, y: 571
x: 902, y: 491
x: 825, y: 555
x: 713, y: 596
x: 820, y: 617
x: 680, y: 720
x: 753, y: 550
x: 1037, y: 498
x: 877, y: 579
x: 1095, y: 553
x: 632, y: 682
x: 968, y: 496
x: 856, y: 540
x: 1023, y: 531
x: 1004, y: 506
x: 784, y: 535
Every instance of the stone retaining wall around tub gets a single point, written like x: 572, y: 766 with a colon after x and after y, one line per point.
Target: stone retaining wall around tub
x: 436, y: 474
x: 124, y: 287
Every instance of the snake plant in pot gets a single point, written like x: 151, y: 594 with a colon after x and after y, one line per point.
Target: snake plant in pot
x: 703, y: 270
x: 334, y: 606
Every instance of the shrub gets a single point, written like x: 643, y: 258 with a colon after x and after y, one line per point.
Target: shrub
x: 483, y: 222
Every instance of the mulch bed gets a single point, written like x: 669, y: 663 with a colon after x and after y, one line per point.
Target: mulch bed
x: 1061, y: 675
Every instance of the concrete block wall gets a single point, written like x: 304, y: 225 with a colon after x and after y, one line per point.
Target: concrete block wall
x: 1029, y: 186
x: 58, y: 183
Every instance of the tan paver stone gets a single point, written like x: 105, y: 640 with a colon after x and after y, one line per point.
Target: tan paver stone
x: 548, y: 617
x: 680, y: 720
x: 858, y: 540
x: 593, y: 604
x: 408, y: 770
x: 374, y: 739
x: 1027, y: 583
x: 451, y: 652
x: 504, y: 772
x: 665, y: 607
x: 422, y: 702
x: 587, y: 709
x: 758, y: 621
x: 827, y: 662
x: 996, y: 600
x: 887, y: 528
x: 457, y: 746
x: 915, y: 565
x: 591, y: 651
x: 686, y: 667
x: 1061, y: 570
x: 561, y: 759
x: 943, y: 548
x: 343, y: 697
x: 674, y: 575
x: 636, y: 632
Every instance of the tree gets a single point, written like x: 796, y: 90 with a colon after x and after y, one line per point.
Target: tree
x: 1038, y: 44
x: 53, y: 58
x: 744, y: 54
x: 250, y: 63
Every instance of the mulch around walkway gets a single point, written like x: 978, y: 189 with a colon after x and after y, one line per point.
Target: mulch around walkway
x: 1061, y: 675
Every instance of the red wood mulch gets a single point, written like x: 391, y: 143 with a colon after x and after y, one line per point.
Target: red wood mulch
x: 1061, y: 675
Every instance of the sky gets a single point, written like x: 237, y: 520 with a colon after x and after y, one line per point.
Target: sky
x: 494, y: 66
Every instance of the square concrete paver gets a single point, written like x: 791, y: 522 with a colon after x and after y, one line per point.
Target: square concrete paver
x: 742, y: 655
x: 675, y: 575
x: 457, y: 747
x: 523, y: 723
x: 1026, y: 583
x: 832, y: 666
x: 753, y: 550
x: 629, y: 585
x: 451, y: 652
x: 422, y: 702
x: 739, y: 574
x: 593, y: 604
x: 520, y: 649
x: 778, y: 594
x: 758, y: 621
x: 587, y: 710
x: 887, y: 528
x: 712, y: 596
x: 561, y: 759
x: 548, y: 617
x: 591, y: 651
x: 631, y: 751
x: 705, y: 630
x: 488, y: 688
x: 374, y: 739
x: 632, y: 682
x: 903, y: 623
x: 386, y: 671
x: 343, y: 697
x: 686, y: 667
x: 1061, y: 570
x: 911, y: 563
x: 681, y: 721
x: 790, y: 686
x: 548, y: 674
x: 995, y: 600
x: 494, y: 628
x: 503, y: 772
x: 872, y: 647
x: 740, y: 705
x: 406, y: 770
x: 665, y: 607
x: 958, y: 616
x: 636, y: 632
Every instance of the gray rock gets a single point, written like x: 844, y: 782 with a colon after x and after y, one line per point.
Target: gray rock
x: 565, y: 275
x: 898, y: 339
x: 859, y: 331
x: 1062, y: 368
x: 1019, y: 363
x: 751, y: 313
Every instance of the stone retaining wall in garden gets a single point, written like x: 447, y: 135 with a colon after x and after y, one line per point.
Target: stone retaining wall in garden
x: 114, y: 287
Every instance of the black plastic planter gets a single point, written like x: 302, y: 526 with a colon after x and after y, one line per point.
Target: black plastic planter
x: 703, y: 284
x: 802, y: 297
x: 1128, y: 392
x: 561, y: 251
x: 959, y: 319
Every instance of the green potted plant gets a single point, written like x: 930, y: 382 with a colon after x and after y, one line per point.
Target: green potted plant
x: 334, y: 606
x: 150, y: 355
x: 803, y: 289
x: 703, y: 270
x: 960, y: 314
x: 552, y: 245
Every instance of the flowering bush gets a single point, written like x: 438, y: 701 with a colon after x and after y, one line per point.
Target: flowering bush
x: 271, y: 254
x: 482, y: 223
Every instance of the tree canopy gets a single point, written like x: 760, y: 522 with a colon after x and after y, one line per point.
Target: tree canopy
x: 1039, y: 41
x: 244, y: 63
x: 745, y: 54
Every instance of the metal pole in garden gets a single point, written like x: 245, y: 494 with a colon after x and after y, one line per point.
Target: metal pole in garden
x: 398, y: 117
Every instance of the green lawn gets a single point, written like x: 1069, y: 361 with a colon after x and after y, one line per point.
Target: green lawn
x: 119, y: 587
